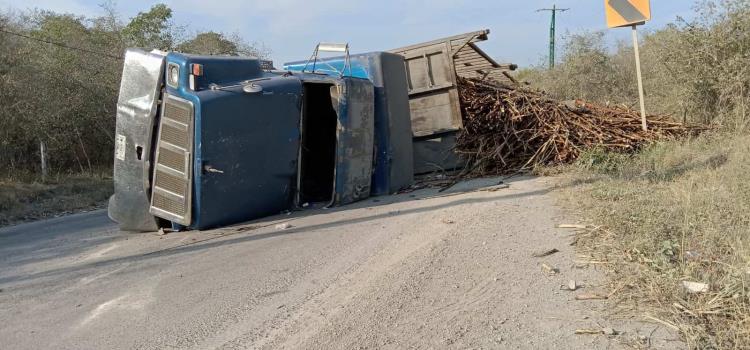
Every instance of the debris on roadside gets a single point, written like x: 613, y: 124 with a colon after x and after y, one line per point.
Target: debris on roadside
x: 543, y: 253
x: 589, y: 331
x: 284, y: 226
x: 695, y: 287
x: 583, y: 263
x: 246, y: 228
x: 448, y: 221
x: 550, y: 270
x: 684, y: 309
x: 580, y: 227
x: 591, y: 296
x: 662, y: 322
x: 571, y: 286
x: 164, y: 231
x: 432, y: 180
x: 495, y: 188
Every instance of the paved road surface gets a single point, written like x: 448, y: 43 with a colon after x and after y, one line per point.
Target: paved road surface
x: 421, y: 270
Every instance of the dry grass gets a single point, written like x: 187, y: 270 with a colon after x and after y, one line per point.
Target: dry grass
x: 677, y: 211
x: 30, y: 200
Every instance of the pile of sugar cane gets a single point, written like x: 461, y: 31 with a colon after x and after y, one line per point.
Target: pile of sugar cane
x: 508, y: 129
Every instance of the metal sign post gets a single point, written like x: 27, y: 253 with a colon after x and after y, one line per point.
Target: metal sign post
x: 640, y: 78
x: 622, y: 13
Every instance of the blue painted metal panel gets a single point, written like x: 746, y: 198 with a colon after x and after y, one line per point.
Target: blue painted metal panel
x: 250, y: 140
x: 354, y: 140
x: 253, y: 140
x: 393, y: 167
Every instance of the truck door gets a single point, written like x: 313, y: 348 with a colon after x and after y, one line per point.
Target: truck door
x: 353, y: 101
x: 249, y: 141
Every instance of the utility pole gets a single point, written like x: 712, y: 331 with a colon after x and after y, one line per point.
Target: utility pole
x: 554, y: 11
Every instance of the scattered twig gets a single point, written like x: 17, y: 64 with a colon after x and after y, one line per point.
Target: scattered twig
x: 665, y: 323
x: 572, y: 226
x: 544, y: 253
x: 590, y: 296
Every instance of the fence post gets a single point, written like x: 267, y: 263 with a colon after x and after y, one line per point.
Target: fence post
x: 43, y: 154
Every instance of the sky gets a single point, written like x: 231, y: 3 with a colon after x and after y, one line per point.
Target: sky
x: 292, y: 28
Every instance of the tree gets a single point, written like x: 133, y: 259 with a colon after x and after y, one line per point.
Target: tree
x: 60, y: 77
x: 213, y: 43
x: 151, y: 29
x: 209, y: 43
x: 250, y: 49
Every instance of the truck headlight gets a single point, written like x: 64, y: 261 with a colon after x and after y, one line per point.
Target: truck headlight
x: 173, y: 75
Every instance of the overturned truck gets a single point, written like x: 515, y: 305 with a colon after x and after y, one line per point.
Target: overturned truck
x: 206, y: 141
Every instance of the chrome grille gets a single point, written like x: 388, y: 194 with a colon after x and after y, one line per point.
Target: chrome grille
x: 168, y: 204
x: 173, y: 160
x: 177, y: 136
x: 178, y: 113
x: 172, y: 190
x: 170, y: 183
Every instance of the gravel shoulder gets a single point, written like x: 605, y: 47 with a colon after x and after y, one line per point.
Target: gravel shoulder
x: 420, y: 270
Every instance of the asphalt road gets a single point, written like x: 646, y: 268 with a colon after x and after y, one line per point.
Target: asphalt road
x: 421, y: 270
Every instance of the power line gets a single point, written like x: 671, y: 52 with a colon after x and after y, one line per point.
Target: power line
x: 61, y: 45
x: 554, y: 11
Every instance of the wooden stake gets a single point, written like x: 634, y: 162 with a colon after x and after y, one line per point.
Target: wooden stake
x: 43, y: 156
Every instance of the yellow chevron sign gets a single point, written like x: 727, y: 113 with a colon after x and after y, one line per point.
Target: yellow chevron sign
x: 622, y: 13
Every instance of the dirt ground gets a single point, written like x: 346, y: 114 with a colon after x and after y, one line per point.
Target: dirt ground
x: 423, y: 270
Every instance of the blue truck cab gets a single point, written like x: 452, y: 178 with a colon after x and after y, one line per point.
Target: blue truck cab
x: 207, y: 141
